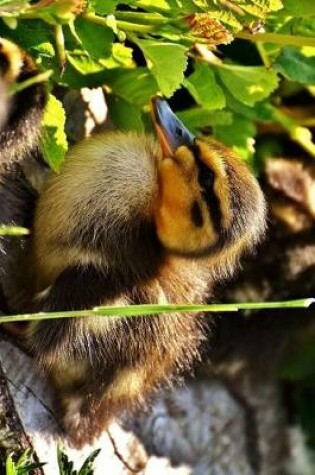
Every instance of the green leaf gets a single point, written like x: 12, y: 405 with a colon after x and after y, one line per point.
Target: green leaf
x: 71, y: 77
x: 87, y: 467
x: 165, y: 5
x: 83, y: 63
x: 134, y: 85
x: 239, y: 135
x: 198, y: 118
x: 259, y: 8
x: 96, y: 39
x: 29, y: 468
x: 30, y: 34
x: 45, y: 49
x: 261, y: 111
x: 124, y: 114
x: 64, y: 464
x: 122, y: 55
x: 103, y: 7
x: 303, y: 26
x: 54, y: 141
x: 83, y: 71
x: 203, y: 87
x: 249, y: 84
x: 23, y: 466
x: 300, y: 8
x: 167, y: 62
x: 58, y: 12
x: 295, y: 66
x: 227, y: 18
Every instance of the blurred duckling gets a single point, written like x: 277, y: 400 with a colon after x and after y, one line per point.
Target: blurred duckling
x: 21, y: 112
x: 133, y: 220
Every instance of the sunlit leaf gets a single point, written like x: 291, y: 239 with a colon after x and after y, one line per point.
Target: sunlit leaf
x: 198, y: 118
x: 204, y: 88
x: 295, y: 66
x: 167, y: 62
x: 103, y: 7
x: 124, y: 114
x: 239, y: 135
x: 54, y: 141
x: 249, y: 84
x: 58, y: 11
x: 83, y: 63
x: 96, y: 39
x: 135, y: 85
x: 300, y: 8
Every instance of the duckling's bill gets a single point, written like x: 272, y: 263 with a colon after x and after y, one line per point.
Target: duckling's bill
x: 170, y: 130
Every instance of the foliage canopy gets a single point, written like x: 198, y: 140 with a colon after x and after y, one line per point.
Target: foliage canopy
x: 228, y: 63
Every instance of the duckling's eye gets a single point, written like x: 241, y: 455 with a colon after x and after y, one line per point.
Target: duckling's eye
x: 179, y: 132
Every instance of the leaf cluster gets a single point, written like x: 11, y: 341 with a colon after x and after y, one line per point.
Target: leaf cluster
x: 137, y: 48
x: 25, y: 466
x: 66, y: 466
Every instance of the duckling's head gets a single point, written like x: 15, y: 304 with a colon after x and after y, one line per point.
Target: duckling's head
x: 209, y: 203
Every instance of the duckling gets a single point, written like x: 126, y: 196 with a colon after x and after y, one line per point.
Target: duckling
x: 21, y: 114
x: 20, y: 124
x: 133, y: 219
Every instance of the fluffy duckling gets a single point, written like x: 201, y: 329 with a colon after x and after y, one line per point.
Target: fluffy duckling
x: 129, y: 220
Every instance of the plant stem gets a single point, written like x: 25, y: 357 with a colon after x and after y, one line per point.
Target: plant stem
x: 141, y: 18
x: 19, y: 86
x: 60, y: 46
x: 276, y: 38
x: 122, y: 25
x: 264, y: 56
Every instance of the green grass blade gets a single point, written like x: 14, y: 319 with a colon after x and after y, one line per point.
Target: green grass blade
x: 139, y: 310
x: 10, y: 466
x: 13, y: 231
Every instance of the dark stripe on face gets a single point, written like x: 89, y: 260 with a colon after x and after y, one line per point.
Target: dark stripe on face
x: 206, y: 179
x: 4, y: 62
x: 196, y: 215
